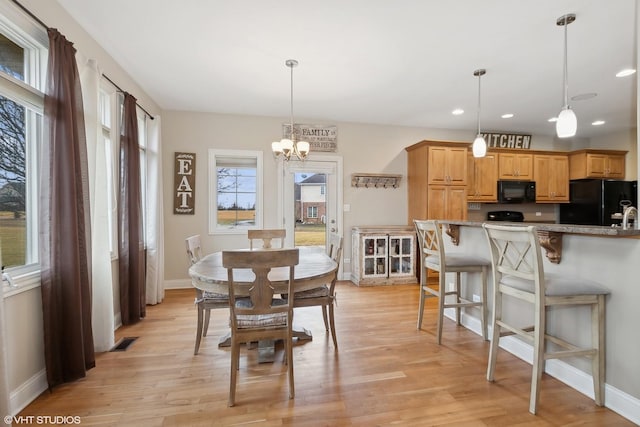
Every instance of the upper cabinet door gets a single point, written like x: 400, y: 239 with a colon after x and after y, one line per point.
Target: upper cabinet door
x: 482, y: 178
x: 592, y: 163
x: 447, y: 165
x: 551, y: 174
x: 615, y: 166
x: 515, y: 166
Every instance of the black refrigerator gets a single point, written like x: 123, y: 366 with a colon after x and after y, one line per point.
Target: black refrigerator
x: 593, y: 201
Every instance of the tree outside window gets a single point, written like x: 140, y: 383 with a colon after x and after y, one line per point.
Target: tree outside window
x: 235, y: 196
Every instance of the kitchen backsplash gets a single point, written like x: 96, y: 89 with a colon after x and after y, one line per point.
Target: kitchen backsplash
x: 533, y: 212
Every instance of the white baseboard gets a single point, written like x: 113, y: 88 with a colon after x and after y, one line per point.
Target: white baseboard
x: 178, y: 284
x: 614, y: 399
x: 27, y: 392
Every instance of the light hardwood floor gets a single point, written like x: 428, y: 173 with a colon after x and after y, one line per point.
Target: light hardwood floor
x: 385, y: 373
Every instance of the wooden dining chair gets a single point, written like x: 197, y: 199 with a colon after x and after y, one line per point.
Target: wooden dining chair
x: 518, y: 272
x: 433, y: 257
x: 324, y: 296
x: 205, y: 301
x: 267, y: 237
x: 261, y: 316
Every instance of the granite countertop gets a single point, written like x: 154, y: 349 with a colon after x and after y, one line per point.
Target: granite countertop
x: 592, y: 230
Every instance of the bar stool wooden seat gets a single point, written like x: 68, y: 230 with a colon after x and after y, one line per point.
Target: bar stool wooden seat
x: 518, y: 273
x: 433, y: 257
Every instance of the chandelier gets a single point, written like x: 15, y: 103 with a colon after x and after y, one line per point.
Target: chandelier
x: 287, y: 147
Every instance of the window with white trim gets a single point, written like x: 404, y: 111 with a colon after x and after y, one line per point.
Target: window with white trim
x: 312, y: 212
x: 23, y: 53
x: 107, y: 112
x: 142, y: 147
x: 235, y: 190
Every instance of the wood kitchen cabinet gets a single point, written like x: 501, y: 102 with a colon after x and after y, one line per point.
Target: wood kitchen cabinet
x: 591, y: 163
x: 447, y: 165
x: 515, y: 166
x: 437, y: 180
x: 447, y: 202
x: 551, y: 174
x: 482, y: 177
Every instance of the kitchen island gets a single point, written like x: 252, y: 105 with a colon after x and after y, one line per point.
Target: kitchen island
x: 550, y: 234
x: 608, y: 255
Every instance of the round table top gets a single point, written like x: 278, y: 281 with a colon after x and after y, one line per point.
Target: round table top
x: 314, y: 269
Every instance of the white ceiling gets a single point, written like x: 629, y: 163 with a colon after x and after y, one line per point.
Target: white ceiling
x: 396, y: 62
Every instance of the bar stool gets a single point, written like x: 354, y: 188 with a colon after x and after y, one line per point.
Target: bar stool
x: 434, y: 258
x: 518, y: 272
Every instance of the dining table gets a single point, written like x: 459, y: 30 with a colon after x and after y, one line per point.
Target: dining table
x: 315, y: 268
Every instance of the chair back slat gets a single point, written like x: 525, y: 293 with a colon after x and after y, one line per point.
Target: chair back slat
x: 261, y: 292
x: 515, y: 251
x: 430, y: 238
x: 267, y: 237
x: 335, y: 247
x: 194, y: 248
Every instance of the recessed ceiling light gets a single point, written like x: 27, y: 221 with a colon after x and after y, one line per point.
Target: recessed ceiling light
x: 457, y: 111
x: 626, y: 72
x: 583, y: 96
x: 507, y: 116
x: 598, y: 123
x: 553, y: 119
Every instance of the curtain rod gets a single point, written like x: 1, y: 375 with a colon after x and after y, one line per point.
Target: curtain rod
x: 120, y: 89
x: 46, y: 27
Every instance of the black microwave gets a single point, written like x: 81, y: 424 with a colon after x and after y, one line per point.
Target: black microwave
x: 516, y: 191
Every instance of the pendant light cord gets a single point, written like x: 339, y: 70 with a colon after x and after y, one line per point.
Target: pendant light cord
x: 566, y: 71
x: 479, y: 94
x: 292, y: 133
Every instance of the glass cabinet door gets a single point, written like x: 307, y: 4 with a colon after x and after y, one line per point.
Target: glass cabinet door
x: 401, y: 255
x: 375, y: 252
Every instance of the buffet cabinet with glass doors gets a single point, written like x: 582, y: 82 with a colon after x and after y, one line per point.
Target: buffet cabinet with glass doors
x: 383, y: 255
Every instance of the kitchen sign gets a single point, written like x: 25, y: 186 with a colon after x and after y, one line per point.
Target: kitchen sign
x: 320, y: 138
x: 184, y: 185
x: 508, y: 140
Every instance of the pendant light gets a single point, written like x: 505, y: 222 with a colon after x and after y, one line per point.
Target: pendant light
x: 479, y: 146
x: 567, y: 123
x: 287, y: 147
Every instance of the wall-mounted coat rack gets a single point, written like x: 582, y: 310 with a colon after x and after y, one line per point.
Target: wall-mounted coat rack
x: 375, y: 180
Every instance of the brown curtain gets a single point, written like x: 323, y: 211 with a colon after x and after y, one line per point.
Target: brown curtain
x: 131, y: 261
x: 65, y: 244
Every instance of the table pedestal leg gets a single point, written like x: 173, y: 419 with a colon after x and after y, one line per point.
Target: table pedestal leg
x: 225, y: 340
x: 266, y: 351
x: 302, y: 334
x: 266, y: 348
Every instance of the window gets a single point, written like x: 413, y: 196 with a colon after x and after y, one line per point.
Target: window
x: 110, y: 110
x: 312, y: 212
x: 22, y: 70
x: 323, y: 189
x: 235, y: 195
x: 106, y: 111
x: 142, y: 146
